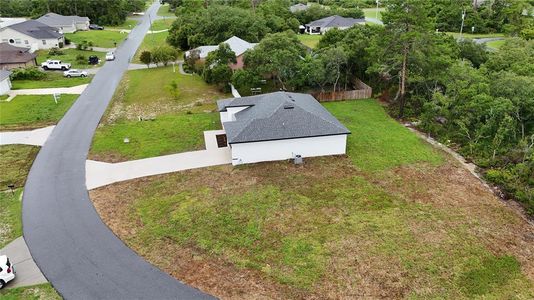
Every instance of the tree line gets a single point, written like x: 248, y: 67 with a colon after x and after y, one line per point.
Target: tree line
x: 103, y: 12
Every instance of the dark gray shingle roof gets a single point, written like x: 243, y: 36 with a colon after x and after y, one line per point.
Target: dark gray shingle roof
x: 10, y: 54
x: 36, y: 30
x: 335, y: 21
x: 279, y: 115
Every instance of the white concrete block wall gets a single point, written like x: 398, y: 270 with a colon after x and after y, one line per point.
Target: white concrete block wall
x: 287, y: 149
x: 5, y: 86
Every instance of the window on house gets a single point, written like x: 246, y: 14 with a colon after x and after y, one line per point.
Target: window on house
x: 17, y: 41
x: 5, y: 40
x: 44, y: 42
x: 26, y: 42
x: 11, y: 41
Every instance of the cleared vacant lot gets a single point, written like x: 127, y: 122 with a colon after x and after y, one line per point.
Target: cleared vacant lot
x: 309, y: 40
x: 164, y: 11
x: 151, y: 41
x: 393, y: 219
x: 161, y: 24
x: 99, y: 38
x: 156, y: 121
x: 33, y: 111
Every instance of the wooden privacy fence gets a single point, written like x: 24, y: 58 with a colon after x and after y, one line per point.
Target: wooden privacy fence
x: 362, y: 91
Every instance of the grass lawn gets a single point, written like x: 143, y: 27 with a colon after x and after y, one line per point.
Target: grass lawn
x: 166, y: 135
x: 475, y: 35
x: 52, y: 80
x: 128, y: 24
x: 33, y: 111
x: 495, y: 44
x: 69, y: 56
x: 150, y: 41
x: 310, y: 40
x: 11, y: 215
x: 15, y: 163
x: 161, y: 24
x: 36, y: 292
x: 411, y: 225
x: 100, y: 38
x: 164, y: 11
x: 371, y: 12
x: 145, y: 93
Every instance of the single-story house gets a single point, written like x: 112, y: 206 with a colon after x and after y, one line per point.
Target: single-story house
x: 32, y: 34
x: 323, y: 25
x: 16, y: 57
x: 298, y: 7
x: 5, y: 82
x: 279, y: 126
x: 239, y: 46
x: 65, y: 24
x: 4, y: 22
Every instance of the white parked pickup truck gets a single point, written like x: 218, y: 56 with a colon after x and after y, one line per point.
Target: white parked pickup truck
x: 7, y: 271
x: 55, y: 65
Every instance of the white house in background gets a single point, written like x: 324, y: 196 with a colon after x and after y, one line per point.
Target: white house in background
x: 323, y: 25
x: 279, y: 126
x: 4, y: 22
x: 31, y: 34
x: 5, y: 82
x: 298, y: 7
x: 65, y: 24
x: 239, y: 46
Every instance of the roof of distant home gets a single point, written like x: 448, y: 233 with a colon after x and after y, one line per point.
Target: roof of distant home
x: 10, y: 54
x: 4, y: 74
x: 239, y: 46
x: 298, y: 7
x: 4, y: 22
x: 278, y: 116
x: 53, y: 19
x: 335, y: 21
x: 36, y: 30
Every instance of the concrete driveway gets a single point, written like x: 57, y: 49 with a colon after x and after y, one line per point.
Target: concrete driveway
x: 35, y: 137
x: 27, y: 272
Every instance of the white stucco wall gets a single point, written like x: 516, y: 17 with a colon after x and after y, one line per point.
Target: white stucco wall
x: 286, y: 149
x: 66, y: 28
x: 5, y: 86
x: 82, y: 26
x: 22, y: 40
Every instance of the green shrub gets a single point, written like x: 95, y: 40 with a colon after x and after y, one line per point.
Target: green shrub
x: 32, y: 73
x: 55, y: 51
x: 81, y: 59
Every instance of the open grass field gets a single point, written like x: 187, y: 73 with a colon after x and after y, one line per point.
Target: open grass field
x: 495, y: 44
x: 69, y: 56
x: 36, y: 292
x: 161, y: 24
x: 52, y: 80
x: 11, y: 216
x: 99, y: 38
x: 310, y: 40
x: 371, y: 12
x: 128, y: 24
x: 15, y: 163
x: 33, y: 111
x: 475, y: 35
x: 414, y: 224
x: 150, y: 42
x: 178, y: 123
x: 164, y: 11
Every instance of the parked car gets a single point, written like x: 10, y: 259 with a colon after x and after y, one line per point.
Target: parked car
x: 93, y: 60
x: 110, y: 55
x: 7, y: 271
x: 55, y: 65
x: 96, y: 27
x: 74, y: 73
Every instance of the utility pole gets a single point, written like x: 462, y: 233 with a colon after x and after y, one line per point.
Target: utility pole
x: 377, y: 9
x: 462, y: 27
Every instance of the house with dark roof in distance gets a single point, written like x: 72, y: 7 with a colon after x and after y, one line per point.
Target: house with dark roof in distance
x: 32, y: 34
x: 16, y: 57
x: 239, y: 46
x: 5, y: 83
x: 279, y: 126
x: 65, y: 24
x: 323, y: 25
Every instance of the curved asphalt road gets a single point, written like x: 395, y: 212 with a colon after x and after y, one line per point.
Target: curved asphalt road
x: 76, y: 251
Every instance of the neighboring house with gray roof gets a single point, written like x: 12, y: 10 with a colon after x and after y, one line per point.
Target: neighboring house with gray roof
x: 5, y: 82
x: 65, y: 24
x: 12, y: 57
x: 31, y: 34
x: 239, y: 46
x: 323, y: 25
x: 280, y: 126
x: 298, y: 7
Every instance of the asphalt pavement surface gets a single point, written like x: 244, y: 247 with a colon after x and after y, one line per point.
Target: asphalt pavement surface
x: 74, y: 249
